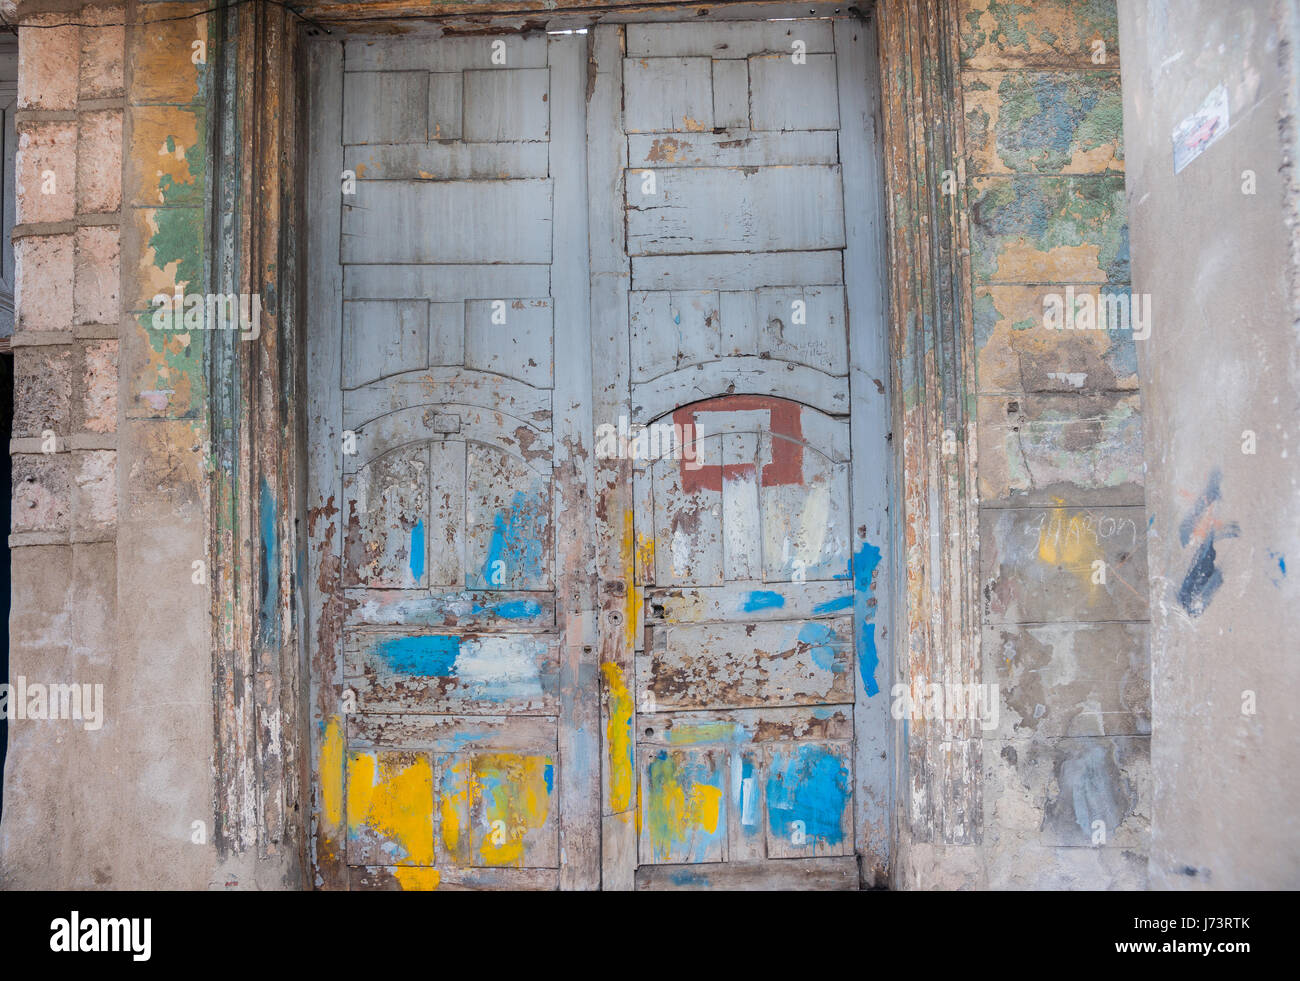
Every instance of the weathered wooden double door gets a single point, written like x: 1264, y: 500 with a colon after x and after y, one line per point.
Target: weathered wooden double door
x: 596, y: 465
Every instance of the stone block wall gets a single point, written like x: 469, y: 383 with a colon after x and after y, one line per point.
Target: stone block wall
x: 110, y: 530
x: 1066, y: 771
x: 63, y: 628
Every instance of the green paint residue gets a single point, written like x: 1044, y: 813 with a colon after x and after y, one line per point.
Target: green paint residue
x: 1009, y: 32
x: 704, y: 732
x: 174, y: 192
x: 1103, y: 124
x: 179, y: 388
x: 1047, y: 213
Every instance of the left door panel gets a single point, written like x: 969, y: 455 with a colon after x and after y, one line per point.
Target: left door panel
x: 438, y: 649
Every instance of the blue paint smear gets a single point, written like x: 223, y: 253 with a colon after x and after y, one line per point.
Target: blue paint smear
x: 1203, y: 578
x: 1281, y: 568
x: 548, y: 774
x: 831, y: 606
x: 417, y: 550
x: 433, y: 656
x: 812, y: 787
x: 865, y: 561
x: 515, y: 610
x: 688, y: 878
x: 826, y: 646
x: 269, y: 631
x: 517, y: 543
x: 763, y: 599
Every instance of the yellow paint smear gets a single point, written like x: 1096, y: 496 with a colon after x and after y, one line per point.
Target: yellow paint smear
x: 391, y: 794
x: 331, y: 773
x: 490, y: 803
x: 515, y: 800
x: 453, y: 803
x: 417, y: 879
x: 1064, y: 540
x: 618, y: 738
x: 679, y: 805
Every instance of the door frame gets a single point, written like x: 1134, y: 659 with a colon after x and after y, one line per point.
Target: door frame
x: 261, y: 620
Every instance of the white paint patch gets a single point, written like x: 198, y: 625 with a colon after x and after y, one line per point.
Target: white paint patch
x: 814, y: 524
x: 747, y: 801
x: 681, y: 553
x: 740, y: 522
x: 501, y: 667
x: 1074, y: 379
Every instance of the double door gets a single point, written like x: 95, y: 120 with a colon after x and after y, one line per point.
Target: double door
x: 596, y: 459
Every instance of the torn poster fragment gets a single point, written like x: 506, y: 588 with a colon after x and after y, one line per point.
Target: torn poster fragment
x: 1195, y: 133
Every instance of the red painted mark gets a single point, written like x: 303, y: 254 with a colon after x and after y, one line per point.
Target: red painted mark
x: 787, y: 454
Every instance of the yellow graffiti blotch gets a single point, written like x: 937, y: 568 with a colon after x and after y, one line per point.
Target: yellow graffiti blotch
x: 490, y: 803
x: 331, y: 773
x: 417, y: 879
x: 507, y: 794
x: 678, y: 807
x: 618, y: 738
x: 1062, y: 542
x: 392, y: 795
x: 632, y: 610
x: 516, y: 800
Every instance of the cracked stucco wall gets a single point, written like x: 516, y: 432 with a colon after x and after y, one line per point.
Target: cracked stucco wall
x: 1066, y: 777
x: 1220, y: 379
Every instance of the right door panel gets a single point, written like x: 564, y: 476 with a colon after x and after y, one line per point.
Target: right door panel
x: 758, y: 530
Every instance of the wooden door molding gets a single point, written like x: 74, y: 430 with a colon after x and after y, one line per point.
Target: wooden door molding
x: 259, y: 447
x: 933, y: 366
x: 256, y: 515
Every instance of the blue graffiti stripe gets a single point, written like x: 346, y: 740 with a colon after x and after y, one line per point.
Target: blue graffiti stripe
x: 515, y: 610
x: 835, y: 605
x: 517, y: 543
x: 433, y: 656
x: 417, y: 550
x: 864, y: 608
x: 270, y: 566
x: 763, y: 599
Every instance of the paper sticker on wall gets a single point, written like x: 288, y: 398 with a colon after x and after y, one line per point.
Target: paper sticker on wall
x: 1195, y: 133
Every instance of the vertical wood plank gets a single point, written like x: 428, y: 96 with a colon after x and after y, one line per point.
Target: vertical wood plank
x: 741, y: 522
x: 446, y: 537
x: 731, y: 93
x: 617, y: 594
x: 937, y: 636
x: 869, y: 381
x: 445, y: 105
x: 579, y: 750
x: 326, y: 607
